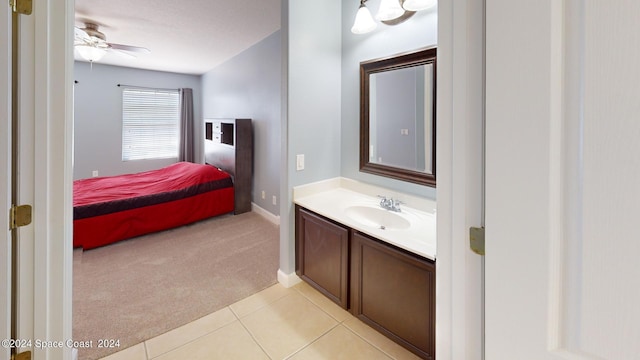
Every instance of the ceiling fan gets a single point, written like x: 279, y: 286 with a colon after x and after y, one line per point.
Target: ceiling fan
x: 92, y: 44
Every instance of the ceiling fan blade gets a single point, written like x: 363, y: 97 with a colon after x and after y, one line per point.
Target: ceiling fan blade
x: 129, y: 48
x: 78, y: 41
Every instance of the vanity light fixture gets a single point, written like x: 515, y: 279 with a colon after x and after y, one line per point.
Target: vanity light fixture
x: 417, y: 5
x: 364, y: 21
x: 391, y: 12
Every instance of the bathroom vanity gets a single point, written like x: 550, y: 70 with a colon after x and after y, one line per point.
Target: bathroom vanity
x: 377, y: 263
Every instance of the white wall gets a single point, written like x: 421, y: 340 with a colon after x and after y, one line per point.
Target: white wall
x: 98, y: 116
x: 419, y: 31
x: 249, y: 86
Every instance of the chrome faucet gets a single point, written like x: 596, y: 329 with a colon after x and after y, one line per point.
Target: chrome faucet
x: 390, y: 203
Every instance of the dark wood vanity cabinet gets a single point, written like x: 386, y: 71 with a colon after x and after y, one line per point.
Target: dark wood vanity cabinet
x: 322, y: 255
x: 394, y: 292
x: 390, y: 289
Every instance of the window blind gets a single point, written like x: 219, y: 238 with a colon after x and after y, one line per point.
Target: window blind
x: 150, y: 123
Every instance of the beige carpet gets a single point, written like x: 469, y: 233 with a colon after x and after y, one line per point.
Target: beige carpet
x: 137, y: 289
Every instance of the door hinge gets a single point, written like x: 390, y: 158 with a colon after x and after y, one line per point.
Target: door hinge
x: 22, y: 356
x: 24, y: 7
x: 19, y: 216
x: 476, y: 240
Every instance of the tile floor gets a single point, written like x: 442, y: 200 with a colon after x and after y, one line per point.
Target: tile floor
x: 276, y: 323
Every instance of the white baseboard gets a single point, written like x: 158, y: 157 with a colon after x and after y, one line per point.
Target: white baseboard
x: 288, y: 280
x: 265, y: 214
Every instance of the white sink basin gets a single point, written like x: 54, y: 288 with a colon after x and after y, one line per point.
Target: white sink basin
x: 377, y: 217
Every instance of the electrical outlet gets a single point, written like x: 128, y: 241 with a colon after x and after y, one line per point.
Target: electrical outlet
x: 273, y: 200
x: 94, y: 173
x: 404, y: 131
x: 263, y: 195
x: 300, y: 162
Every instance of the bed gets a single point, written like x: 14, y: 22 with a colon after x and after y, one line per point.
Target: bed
x: 110, y: 209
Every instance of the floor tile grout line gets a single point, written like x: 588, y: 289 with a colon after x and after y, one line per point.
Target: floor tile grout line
x: 262, y: 306
x: 342, y: 322
x: 254, y: 339
x: 312, y: 341
x: 320, y: 307
x: 337, y: 323
x: 198, y: 337
x: 391, y: 357
x: 234, y: 313
x: 146, y: 351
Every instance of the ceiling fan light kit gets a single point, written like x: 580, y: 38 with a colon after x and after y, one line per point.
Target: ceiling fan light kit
x: 92, y: 44
x: 91, y: 53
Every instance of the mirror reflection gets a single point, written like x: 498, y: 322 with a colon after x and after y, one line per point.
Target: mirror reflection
x: 398, y: 116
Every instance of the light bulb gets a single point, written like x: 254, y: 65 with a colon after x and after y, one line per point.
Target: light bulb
x: 364, y: 21
x: 91, y: 53
x: 389, y: 10
x: 417, y: 5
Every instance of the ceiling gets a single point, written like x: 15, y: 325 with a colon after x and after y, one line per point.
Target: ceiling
x: 187, y: 36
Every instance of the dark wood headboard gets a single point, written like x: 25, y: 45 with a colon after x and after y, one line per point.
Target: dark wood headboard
x: 228, y: 145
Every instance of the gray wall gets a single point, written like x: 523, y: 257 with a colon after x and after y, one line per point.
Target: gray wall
x: 313, y: 97
x: 417, y: 32
x: 98, y: 117
x: 249, y: 86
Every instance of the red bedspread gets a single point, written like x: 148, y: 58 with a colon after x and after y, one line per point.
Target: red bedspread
x: 114, y: 208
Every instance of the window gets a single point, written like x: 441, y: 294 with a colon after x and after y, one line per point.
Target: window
x: 150, y: 123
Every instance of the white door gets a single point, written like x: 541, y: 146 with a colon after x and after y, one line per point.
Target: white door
x: 44, y: 172
x: 562, y: 179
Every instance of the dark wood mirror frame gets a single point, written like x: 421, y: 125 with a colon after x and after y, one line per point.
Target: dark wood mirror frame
x: 424, y: 56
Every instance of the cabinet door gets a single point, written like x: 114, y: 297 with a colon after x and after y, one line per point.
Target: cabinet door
x: 394, y: 292
x: 322, y: 255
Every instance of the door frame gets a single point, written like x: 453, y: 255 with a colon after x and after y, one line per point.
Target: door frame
x: 460, y: 113
x: 5, y: 178
x: 55, y: 174
x: 51, y: 93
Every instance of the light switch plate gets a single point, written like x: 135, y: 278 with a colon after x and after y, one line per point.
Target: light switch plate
x: 300, y: 162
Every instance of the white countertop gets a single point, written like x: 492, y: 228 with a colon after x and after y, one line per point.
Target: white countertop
x: 333, y: 197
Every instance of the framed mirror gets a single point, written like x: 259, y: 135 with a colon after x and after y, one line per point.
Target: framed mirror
x: 398, y: 116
